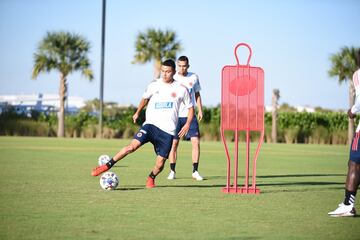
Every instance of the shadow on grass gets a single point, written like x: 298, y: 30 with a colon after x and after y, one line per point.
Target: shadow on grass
x: 282, y: 185
x: 302, y: 175
x: 285, y: 176
x: 130, y: 188
x: 119, y: 166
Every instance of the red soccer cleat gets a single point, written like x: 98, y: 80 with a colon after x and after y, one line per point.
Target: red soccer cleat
x: 100, y: 169
x: 150, y: 183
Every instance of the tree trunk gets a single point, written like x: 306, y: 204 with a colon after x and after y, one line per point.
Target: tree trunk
x: 351, y: 103
x: 275, y: 98
x: 157, y: 68
x: 61, y: 113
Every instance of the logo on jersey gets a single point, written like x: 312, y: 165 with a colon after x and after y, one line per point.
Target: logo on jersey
x: 163, y: 105
x: 173, y: 94
x: 140, y: 133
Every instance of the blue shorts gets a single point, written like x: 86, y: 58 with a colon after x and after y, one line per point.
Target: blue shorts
x: 162, y: 141
x: 193, y: 130
x: 355, y: 149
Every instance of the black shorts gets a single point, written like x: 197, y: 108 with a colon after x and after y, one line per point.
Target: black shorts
x: 162, y: 141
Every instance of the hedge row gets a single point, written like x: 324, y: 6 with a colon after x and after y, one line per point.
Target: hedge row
x: 292, y: 127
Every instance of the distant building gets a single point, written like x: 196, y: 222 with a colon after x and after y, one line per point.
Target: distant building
x: 305, y: 109
x: 46, y: 103
x: 298, y: 109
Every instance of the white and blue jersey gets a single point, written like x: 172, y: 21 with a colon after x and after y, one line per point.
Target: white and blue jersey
x: 164, y: 103
x: 191, y: 82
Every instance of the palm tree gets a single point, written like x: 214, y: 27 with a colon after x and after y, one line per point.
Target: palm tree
x: 66, y: 53
x: 344, y: 64
x: 156, y: 45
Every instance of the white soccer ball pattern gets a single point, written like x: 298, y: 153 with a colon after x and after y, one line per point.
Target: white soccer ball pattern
x: 103, y: 159
x: 109, y: 181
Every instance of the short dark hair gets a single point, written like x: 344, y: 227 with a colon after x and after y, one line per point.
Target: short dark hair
x: 169, y: 63
x: 183, y: 59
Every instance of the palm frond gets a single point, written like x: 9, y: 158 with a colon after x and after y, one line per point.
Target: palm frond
x: 344, y: 64
x: 155, y: 44
x: 62, y: 51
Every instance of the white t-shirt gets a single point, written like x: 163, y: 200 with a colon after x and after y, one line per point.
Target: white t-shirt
x: 164, y: 102
x: 356, y: 107
x: 191, y: 82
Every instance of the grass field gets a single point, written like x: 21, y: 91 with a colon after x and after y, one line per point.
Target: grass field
x: 47, y: 192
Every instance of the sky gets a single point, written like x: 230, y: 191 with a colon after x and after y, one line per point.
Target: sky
x: 292, y: 40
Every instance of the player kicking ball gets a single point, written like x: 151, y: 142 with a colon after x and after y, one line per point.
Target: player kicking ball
x: 347, y: 207
x: 162, y: 98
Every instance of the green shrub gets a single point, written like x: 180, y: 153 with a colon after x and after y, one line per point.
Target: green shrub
x: 89, y: 131
x: 320, y: 135
x: 292, y: 127
x: 339, y: 136
x: 24, y: 127
x: 291, y: 134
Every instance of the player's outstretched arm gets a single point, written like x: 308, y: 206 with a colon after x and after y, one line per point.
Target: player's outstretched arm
x: 184, y: 130
x: 141, y: 106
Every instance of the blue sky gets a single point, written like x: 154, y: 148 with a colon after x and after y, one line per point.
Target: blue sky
x: 291, y: 40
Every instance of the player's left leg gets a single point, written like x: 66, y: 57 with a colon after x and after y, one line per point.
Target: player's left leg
x: 194, y: 135
x: 162, y: 142
x: 353, y: 177
x: 173, y: 152
x: 159, y: 166
x: 172, y: 159
x: 347, y: 207
x: 352, y: 184
x: 195, y: 154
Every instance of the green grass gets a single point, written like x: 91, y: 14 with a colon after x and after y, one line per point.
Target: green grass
x: 46, y: 192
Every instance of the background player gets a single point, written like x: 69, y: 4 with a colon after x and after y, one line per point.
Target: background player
x: 191, y: 82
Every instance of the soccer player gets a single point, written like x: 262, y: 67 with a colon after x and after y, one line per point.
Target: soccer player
x: 191, y: 82
x: 347, y: 208
x: 162, y: 98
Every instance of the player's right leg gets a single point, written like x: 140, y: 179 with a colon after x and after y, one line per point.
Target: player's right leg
x: 140, y: 138
x: 133, y: 146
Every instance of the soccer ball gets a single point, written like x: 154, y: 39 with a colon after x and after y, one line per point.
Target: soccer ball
x: 103, y: 159
x: 109, y: 181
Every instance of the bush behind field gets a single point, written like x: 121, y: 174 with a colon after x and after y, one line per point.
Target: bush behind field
x: 293, y: 127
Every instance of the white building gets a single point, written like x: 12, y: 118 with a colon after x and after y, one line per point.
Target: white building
x: 24, y: 103
x: 298, y: 109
